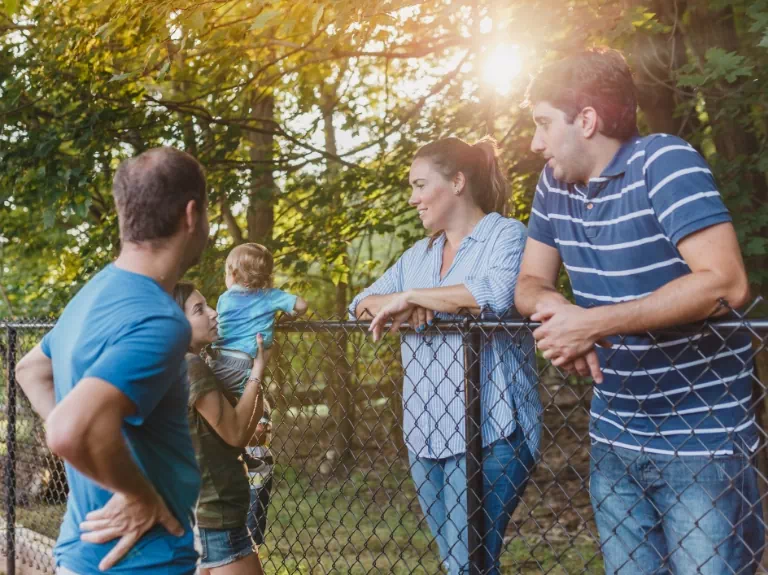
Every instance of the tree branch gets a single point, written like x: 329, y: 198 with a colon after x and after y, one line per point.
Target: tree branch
x: 229, y: 219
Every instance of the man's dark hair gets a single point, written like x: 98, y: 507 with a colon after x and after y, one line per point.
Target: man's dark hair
x: 599, y: 78
x: 152, y: 191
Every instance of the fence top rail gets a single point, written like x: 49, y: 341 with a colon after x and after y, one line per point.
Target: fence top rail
x: 470, y: 324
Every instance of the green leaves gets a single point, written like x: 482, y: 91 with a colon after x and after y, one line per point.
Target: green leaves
x: 101, y: 80
x: 719, y: 65
x: 11, y: 7
x: 264, y: 18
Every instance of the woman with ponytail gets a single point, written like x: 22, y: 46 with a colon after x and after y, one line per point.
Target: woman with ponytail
x: 468, y: 264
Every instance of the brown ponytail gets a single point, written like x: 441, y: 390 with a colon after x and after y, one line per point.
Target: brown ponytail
x: 480, y: 165
x: 490, y: 188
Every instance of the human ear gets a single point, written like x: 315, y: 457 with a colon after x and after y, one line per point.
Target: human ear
x: 191, y: 215
x: 459, y: 183
x: 590, y: 122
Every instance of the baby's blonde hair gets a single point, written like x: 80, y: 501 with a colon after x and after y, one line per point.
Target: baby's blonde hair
x: 250, y: 265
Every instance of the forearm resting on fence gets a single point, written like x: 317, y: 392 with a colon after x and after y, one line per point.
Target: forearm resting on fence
x: 34, y: 374
x: 688, y: 299
x: 450, y: 299
x: 717, y: 276
x: 85, y: 429
x: 371, y: 305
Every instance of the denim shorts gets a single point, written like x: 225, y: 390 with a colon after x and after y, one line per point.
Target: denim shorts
x: 221, y: 547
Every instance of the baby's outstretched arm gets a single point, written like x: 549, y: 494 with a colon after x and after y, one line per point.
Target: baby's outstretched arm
x: 301, y: 307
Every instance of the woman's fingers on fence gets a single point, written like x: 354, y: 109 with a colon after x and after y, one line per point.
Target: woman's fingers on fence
x: 413, y: 321
x: 118, y: 551
x: 430, y: 317
x: 421, y: 317
x: 396, y: 323
x: 376, y: 323
x: 604, y: 343
x: 102, y: 535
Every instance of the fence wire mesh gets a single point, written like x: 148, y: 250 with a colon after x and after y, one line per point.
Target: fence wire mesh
x: 407, y: 455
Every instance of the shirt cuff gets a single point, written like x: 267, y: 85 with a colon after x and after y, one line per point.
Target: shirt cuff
x: 480, y: 288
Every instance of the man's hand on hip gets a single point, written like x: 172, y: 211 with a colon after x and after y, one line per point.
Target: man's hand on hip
x: 128, y: 518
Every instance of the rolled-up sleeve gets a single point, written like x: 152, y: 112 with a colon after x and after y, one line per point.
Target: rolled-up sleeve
x: 390, y: 282
x: 494, y: 290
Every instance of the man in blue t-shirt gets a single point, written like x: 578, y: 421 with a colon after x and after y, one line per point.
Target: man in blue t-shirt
x: 648, y: 244
x: 109, y: 381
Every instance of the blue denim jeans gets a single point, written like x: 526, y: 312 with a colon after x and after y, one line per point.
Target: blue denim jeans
x: 441, y: 485
x: 683, y: 515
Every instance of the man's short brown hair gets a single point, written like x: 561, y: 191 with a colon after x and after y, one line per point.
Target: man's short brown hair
x: 599, y: 78
x: 152, y: 191
x: 250, y: 265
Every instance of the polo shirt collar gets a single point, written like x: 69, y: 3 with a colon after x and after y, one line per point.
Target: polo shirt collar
x: 618, y: 164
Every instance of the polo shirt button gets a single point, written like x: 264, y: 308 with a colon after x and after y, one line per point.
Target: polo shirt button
x: 590, y: 206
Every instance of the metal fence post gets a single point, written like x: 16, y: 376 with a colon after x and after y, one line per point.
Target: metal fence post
x: 10, y: 461
x: 472, y: 350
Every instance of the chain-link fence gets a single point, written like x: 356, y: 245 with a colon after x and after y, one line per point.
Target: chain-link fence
x: 409, y: 455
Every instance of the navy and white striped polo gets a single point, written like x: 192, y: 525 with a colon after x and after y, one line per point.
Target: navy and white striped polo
x: 617, y: 237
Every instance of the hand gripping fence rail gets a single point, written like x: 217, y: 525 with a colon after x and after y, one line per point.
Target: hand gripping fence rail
x: 408, y: 455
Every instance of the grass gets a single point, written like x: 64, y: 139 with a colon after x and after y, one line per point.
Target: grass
x: 364, y: 524
x: 361, y: 524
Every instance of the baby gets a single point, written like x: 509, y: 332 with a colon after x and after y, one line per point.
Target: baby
x: 246, y: 309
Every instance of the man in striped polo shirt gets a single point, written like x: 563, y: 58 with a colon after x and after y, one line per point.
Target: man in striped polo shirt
x: 647, y: 244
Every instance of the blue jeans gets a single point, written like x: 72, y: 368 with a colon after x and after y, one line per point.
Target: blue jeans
x: 665, y: 514
x: 441, y: 485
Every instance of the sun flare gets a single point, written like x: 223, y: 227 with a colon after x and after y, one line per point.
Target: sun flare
x: 502, y: 65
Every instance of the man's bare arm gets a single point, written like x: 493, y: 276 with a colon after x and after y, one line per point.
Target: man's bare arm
x: 717, y: 272
x: 85, y: 429
x: 538, y: 278
x: 34, y: 373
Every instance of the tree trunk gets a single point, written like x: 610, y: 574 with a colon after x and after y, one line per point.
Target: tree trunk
x: 340, y: 397
x: 260, y: 215
x: 654, y: 58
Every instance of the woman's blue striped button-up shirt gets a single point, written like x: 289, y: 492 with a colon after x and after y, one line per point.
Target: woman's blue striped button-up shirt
x: 488, y: 264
